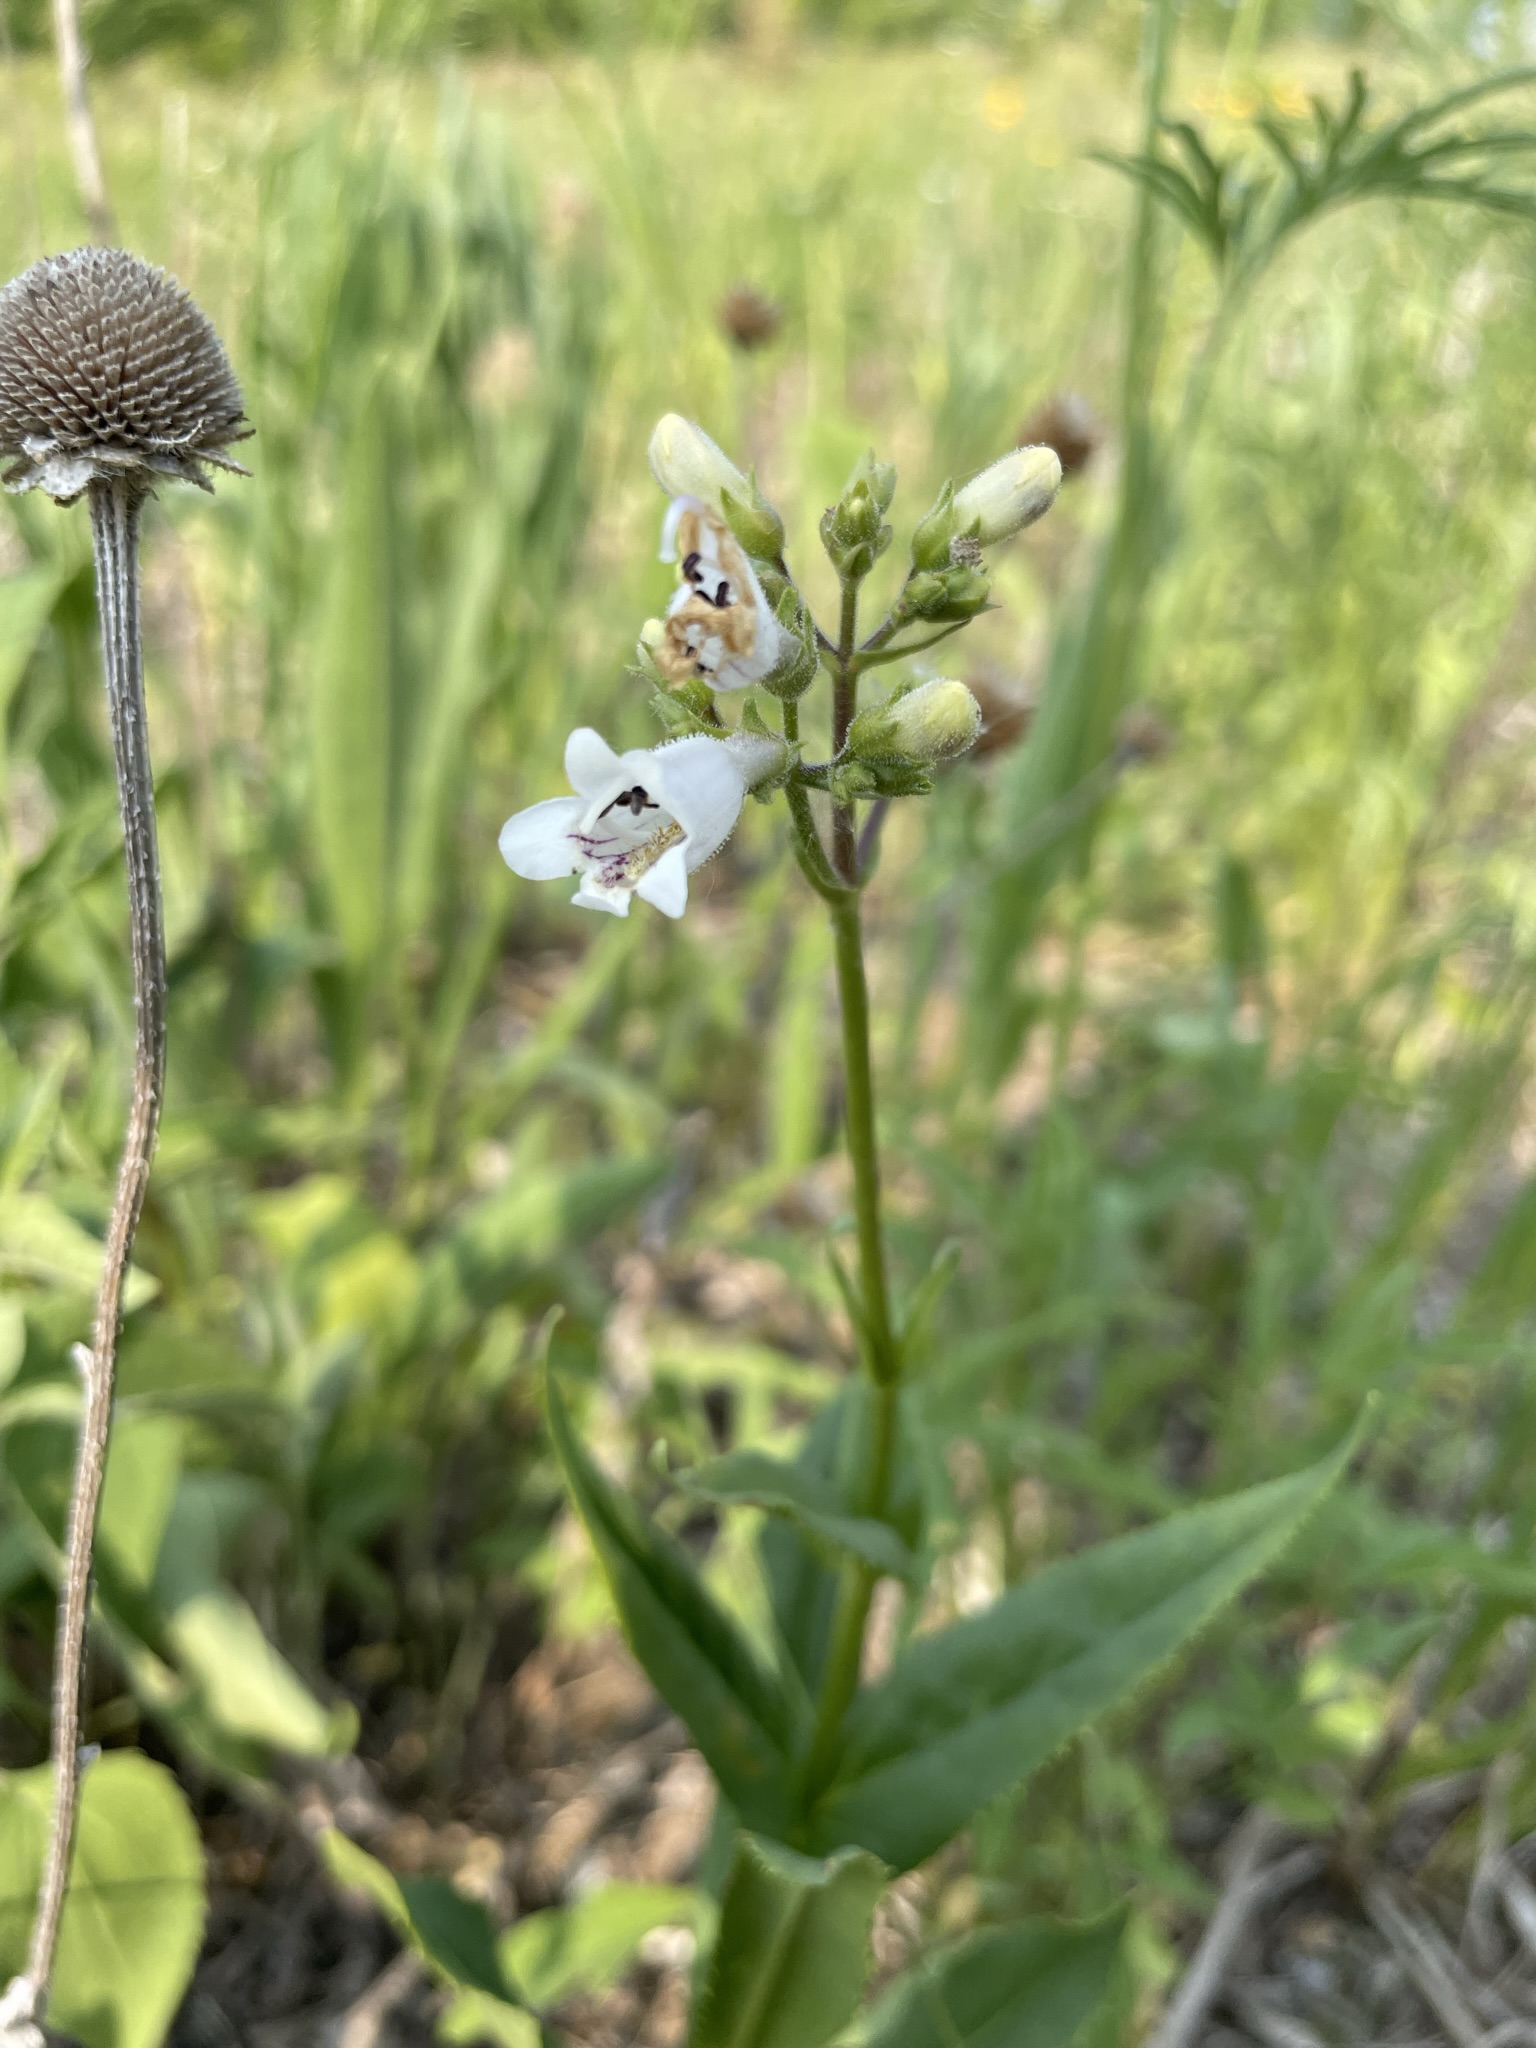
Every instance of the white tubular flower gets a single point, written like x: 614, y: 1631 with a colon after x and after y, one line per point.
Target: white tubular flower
x: 719, y: 625
x: 1010, y: 494
x: 687, y: 464
x: 641, y: 822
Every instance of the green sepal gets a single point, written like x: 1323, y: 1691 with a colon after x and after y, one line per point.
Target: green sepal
x: 690, y: 708
x: 934, y: 532
x: 945, y: 596
x: 754, y: 522
x: 865, y: 780
x: 753, y: 722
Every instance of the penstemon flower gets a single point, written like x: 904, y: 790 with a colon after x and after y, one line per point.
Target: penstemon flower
x: 719, y: 626
x: 641, y: 822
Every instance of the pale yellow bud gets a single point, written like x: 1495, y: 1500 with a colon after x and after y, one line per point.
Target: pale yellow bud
x: 935, y: 722
x: 1011, y: 494
x: 687, y: 464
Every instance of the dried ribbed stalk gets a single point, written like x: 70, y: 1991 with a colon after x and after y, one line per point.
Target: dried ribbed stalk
x: 78, y: 123
x: 115, y: 507
x: 110, y: 380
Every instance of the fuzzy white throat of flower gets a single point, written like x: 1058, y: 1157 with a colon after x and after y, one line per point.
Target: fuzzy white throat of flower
x: 719, y: 626
x: 640, y: 823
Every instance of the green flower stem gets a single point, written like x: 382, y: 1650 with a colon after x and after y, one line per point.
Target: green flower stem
x: 874, y: 653
x: 845, y: 702
x: 809, y: 850
x: 879, y: 1350
x: 880, y: 1354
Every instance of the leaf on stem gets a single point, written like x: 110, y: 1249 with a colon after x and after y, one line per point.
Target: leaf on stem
x: 1032, y: 1986
x: 793, y: 1947
x: 753, y: 1479
x: 452, y: 1935
x: 969, y: 1713
x: 692, y: 1651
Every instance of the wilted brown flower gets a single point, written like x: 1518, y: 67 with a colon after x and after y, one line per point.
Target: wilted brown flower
x: 748, y: 318
x: 108, y: 368
x: 1066, y: 423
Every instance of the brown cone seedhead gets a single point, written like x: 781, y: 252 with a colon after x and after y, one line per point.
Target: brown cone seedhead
x: 108, y: 368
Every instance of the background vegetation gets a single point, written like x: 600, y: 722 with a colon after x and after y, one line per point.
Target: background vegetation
x: 1226, y: 1102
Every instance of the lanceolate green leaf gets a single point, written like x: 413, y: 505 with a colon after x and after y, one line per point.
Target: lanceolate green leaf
x: 966, y: 1714
x: 790, y: 1959
x: 695, y: 1655
x: 1032, y: 1986
x: 133, y: 1919
x: 754, y: 1479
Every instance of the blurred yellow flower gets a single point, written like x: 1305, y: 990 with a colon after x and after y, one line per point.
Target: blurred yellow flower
x: 1002, y: 105
x: 1239, y: 104
x: 1289, y: 99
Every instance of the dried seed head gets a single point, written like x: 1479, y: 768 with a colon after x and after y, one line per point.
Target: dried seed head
x: 108, y: 368
x: 1066, y: 423
x: 748, y: 318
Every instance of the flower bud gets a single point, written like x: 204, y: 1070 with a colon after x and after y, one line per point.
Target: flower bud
x: 687, y: 464
x: 936, y: 721
x: 931, y: 723
x: 945, y: 596
x: 879, y: 476
x: 1011, y: 494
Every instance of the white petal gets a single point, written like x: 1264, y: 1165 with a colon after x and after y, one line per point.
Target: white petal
x: 593, y: 896
x: 536, y: 843
x: 770, y: 643
x: 666, y: 885
x: 669, y: 524
x: 687, y: 464
x: 590, y: 763
x: 700, y: 781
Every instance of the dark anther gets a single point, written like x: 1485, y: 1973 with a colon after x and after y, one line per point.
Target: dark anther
x: 723, y: 597
x: 635, y: 800
x: 691, y: 565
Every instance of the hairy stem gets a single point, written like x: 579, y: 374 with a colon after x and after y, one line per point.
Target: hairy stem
x: 115, y: 508
x: 880, y: 1352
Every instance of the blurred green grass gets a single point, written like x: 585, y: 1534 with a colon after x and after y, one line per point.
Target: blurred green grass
x: 1262, y: 1138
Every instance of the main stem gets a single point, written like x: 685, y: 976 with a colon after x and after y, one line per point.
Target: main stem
x: 879, y: 1348
x: 115, y: 508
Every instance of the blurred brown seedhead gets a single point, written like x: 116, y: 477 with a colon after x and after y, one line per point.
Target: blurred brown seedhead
x: 107, y: 368
x: 1066, y: 423
x: 1006, y: 711
x: 748, y: 318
